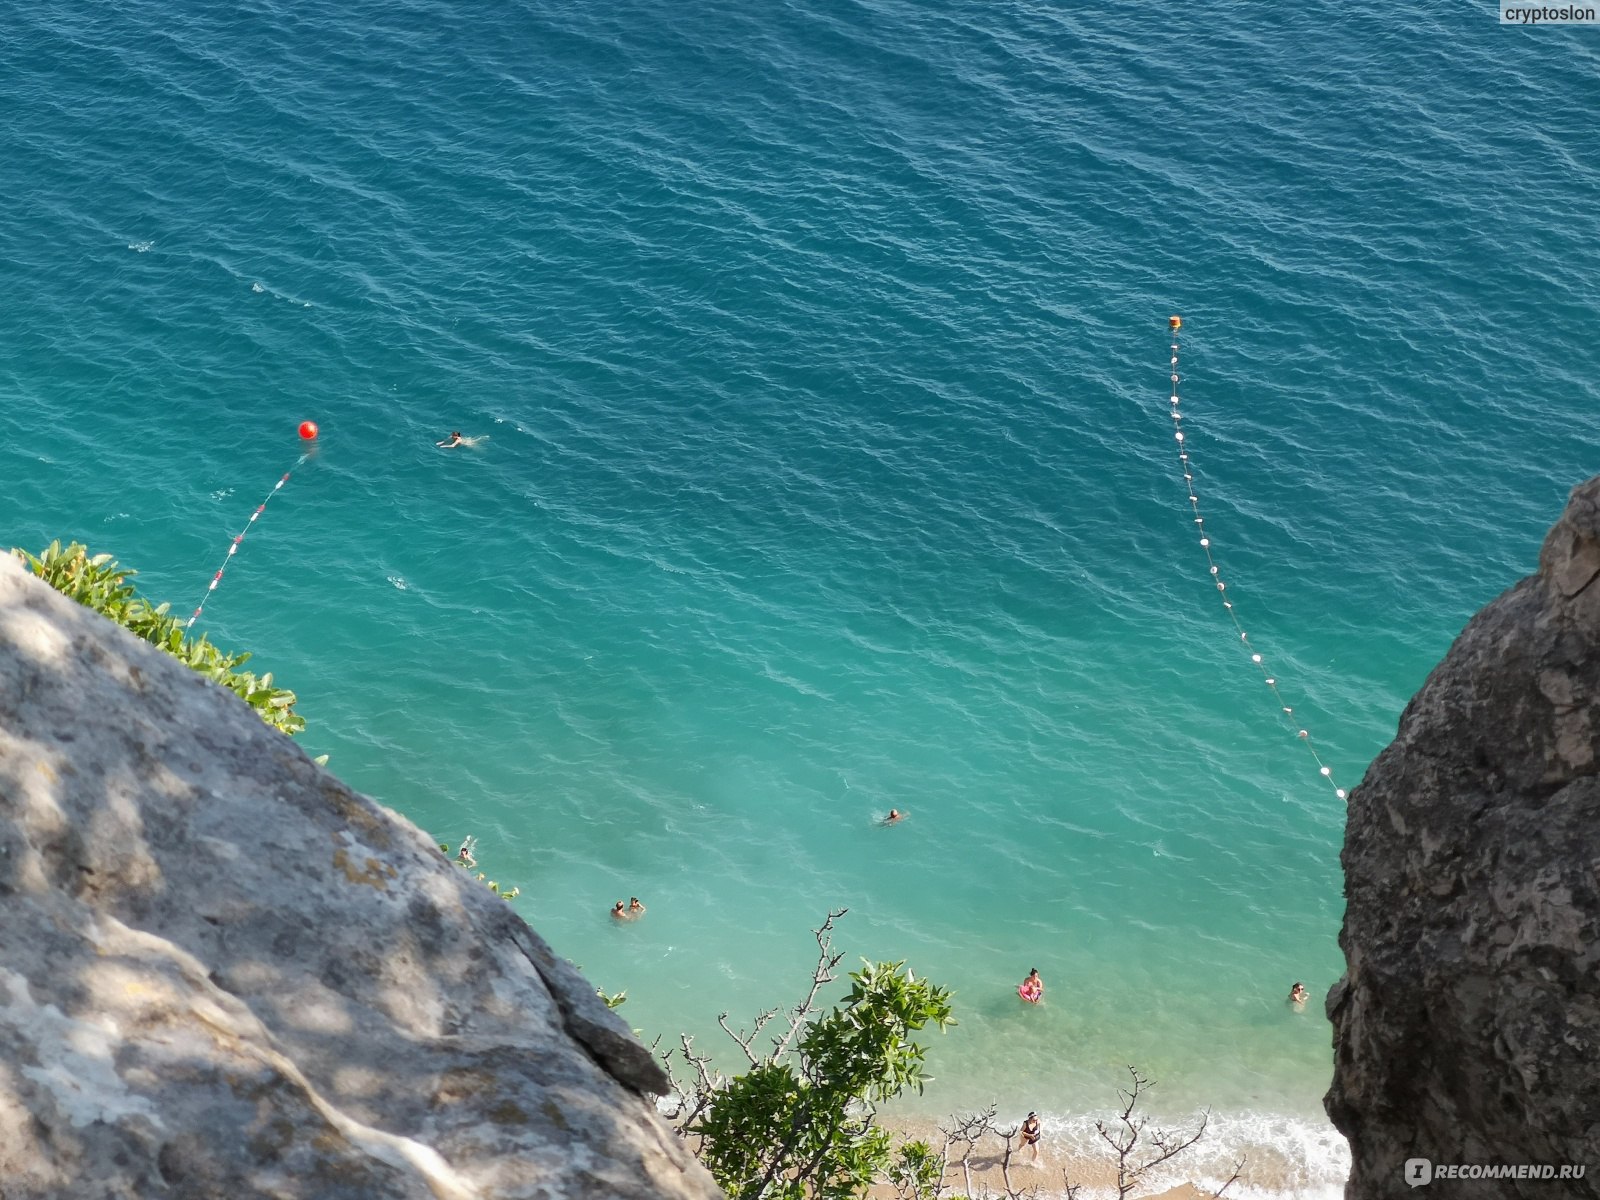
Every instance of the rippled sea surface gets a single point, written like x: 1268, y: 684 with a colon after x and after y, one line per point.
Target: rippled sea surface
x: 821, y: 354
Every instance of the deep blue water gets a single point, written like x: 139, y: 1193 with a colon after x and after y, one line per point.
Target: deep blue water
x: 822, y: 354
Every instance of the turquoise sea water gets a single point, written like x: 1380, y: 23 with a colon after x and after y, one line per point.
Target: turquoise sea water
x: 822, y: 354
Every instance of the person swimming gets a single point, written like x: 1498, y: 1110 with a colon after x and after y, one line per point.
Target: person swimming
x: 619, y: 912
x: 894, y: 815
x: 455, y: 439
x: 1031, y: 989
x: 1298, y: 995
x: 635, y: 909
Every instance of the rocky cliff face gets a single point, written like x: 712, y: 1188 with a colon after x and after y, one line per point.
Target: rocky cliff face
x: 1467, y: 1027
x: 225, y: 974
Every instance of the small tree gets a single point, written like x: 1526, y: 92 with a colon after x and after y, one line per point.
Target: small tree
x: 1141, y: 1149
x: 800, y: 1123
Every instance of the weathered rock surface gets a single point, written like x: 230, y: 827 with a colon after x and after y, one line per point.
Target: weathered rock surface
x: 225, y: 974
x: 1467, y: 1027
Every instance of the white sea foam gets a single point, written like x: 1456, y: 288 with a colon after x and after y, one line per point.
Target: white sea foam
x: 1275, y: 1157
x: 276, y: 295
x: 1283, y: 1157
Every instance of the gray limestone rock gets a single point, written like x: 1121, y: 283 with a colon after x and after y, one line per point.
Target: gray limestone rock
x: 225, y: 974
x: 1467, y: 1026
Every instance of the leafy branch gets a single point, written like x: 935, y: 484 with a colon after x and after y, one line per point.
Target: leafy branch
x: 800, y: 1123
x: 100, y: 584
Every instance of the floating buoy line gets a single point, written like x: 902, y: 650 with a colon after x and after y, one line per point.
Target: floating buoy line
x: 1174, y: 324
x: 308, y: 433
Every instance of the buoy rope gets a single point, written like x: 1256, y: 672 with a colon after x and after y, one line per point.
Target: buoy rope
x: 1175, y: 324
x: 234, y: 547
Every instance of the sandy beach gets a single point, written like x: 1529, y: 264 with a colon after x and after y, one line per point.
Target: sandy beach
x: 1075, y: 1156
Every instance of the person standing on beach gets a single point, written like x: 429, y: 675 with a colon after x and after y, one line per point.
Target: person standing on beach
x: 1030, y: 1134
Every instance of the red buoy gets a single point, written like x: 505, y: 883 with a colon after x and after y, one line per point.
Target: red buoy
x: 308, y: 430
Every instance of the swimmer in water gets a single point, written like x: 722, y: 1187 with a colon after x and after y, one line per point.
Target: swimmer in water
x: 1031, y: 989
x: 1298, y: 996
x: 635, y: 909
x: 894, y: 815
x: 618, y: 912
x: 455, y: 439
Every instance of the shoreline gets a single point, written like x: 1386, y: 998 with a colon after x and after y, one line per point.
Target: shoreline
x: 1288, y: 1166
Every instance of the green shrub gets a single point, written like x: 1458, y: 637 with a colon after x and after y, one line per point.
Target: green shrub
x: 800, y: 1124
x: 99, y: 583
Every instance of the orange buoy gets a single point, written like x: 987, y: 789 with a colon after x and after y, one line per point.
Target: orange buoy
x: 1175, y: 322
x: 308, y: 430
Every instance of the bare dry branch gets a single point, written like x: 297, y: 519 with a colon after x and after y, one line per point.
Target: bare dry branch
x: 1238, y: 1170
x: 1005, y: 1161
x: 1125, y: 1141
x: 1169, y: 1143
x: 700, y: 1062
x: 744, y: 1042
x: 966, y: 1132
x: 827, y: 960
